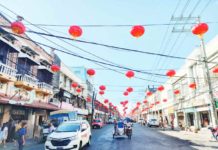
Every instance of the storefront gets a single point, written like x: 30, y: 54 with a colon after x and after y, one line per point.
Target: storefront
x: 19, y: 113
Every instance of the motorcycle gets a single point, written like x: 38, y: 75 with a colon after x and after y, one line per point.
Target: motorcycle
x: 214, y: 132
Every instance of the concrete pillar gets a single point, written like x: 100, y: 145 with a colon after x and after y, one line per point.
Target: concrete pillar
x: 196, y: 120
x: 185, y: 120
x: 6, y: 114
x: 30, y: 124
x: 176, y: 123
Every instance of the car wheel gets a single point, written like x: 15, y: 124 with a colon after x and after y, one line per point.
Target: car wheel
x: 89, y: 142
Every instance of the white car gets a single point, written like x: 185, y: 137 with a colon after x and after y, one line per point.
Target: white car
x: 70, y: 135
x: 153, y: 122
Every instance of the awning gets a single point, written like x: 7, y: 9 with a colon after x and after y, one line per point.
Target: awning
x: 34, y: 104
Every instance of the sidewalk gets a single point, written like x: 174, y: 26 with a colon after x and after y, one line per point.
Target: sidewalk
x: 12, y: 146
x: 200, y: 141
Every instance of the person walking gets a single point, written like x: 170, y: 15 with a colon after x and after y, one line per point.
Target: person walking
x: 21, y: 135
x: 4, y: 134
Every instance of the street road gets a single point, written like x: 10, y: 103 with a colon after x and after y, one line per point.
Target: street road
x: 143, y: 138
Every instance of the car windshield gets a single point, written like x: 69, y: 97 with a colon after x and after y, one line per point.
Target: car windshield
x: 68, y: 127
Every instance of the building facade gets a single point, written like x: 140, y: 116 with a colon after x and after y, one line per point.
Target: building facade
x: 191, y: 106
x: 25, y: 80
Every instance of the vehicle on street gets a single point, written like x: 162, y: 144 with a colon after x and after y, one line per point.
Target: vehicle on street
x: 69, y: 135
x: 153, y: 123
x: 110, y: 121
x: 122, y: 130
x: 97, y: 123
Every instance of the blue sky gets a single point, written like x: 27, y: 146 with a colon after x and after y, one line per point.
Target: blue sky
x: 97, y: 12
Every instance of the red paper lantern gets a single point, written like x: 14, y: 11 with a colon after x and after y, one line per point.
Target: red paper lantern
x: 164, y: 100
x: 137, y: 31
x: 126, y: 101
x: 55, y: 68
x: 130, y: 74
x: 121, y: 103
x: 74, y: 85
x: 149, y: 93
x: 75, y: 31
x: 102, y: 87
x: 91, y: 72
x: 145, y: 101
x: 78, y: 90
x: 215, y: 70
x: 18, y: 27
x: 129, y: 89
x: 176, y: 92
x: 125, y: 93
x: 171, y: 73
x: 138, y: 103
x: 157, y: 102
x: 200, y: 29
x: 101, y: 92
x: 88, y: 99
x: 160, y: 88
x: 192, y: 85
x: 106, y: 101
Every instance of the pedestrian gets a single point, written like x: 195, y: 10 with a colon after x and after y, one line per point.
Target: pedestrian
x: 4, y: 134
x: 51, y: 128
x: 20, y: 134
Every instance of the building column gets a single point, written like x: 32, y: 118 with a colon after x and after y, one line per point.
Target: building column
x: 196, y: 120
x: 185, y: 120
x: 176, y: 124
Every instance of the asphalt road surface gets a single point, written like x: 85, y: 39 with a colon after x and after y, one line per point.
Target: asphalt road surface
x: 143, y: 138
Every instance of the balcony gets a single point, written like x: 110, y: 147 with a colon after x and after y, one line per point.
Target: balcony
x: 25, y: 81
x: 44, y: 88
x: 7, y: 73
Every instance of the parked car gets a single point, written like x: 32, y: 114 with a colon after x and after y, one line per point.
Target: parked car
x: 110, y: 121
x: 69, y: 135
x: 97, y: 123
x: 153, y: 122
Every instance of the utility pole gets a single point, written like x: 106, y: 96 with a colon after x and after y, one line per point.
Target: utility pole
x: 207, y: 76
x: 93, y: 106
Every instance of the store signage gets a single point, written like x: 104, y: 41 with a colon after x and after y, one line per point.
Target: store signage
x: 216, y: 104
x: 18, y: 112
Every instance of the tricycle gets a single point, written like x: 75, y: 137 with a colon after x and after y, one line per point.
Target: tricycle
x: 122, y: 130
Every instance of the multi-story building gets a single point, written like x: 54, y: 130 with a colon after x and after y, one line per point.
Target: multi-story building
x: 65, y: 96
x: 190, y: 107
x: 25, y: 80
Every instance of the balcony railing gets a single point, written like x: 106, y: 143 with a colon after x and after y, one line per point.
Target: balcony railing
x: 46, y: 86
x: 27, y: 78
x: 5, y: 69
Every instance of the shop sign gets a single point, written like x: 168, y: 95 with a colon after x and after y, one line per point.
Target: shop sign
x: 18, y: 112
x: 188, y: 110
x: 216, y: 104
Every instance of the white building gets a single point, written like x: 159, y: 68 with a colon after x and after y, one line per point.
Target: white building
x: 192, y: 106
